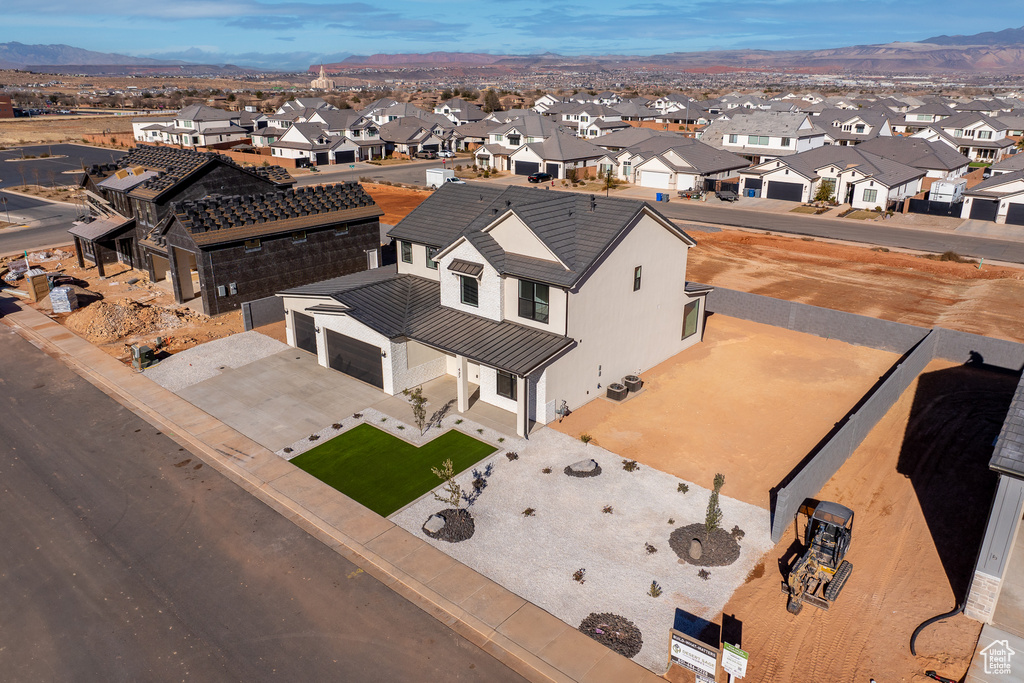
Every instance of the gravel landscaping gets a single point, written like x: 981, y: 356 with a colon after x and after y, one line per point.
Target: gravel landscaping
x: 536, y: 555
x: 202, y: 362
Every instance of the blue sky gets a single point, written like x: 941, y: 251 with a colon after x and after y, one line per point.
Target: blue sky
x: 289, y: 34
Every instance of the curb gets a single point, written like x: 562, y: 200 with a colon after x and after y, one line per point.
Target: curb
x: 517, y: 633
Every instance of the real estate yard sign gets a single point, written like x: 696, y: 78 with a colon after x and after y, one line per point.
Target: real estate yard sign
x: 734, y: 661
x: 698, y: 657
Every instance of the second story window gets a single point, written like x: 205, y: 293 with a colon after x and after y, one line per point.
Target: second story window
x: 406, y: 252
x: 431, y: 253
x: 785, y: 142
x: 733, y: 138
x: 533, y: 301
x: 637, y: 272
x: 469, y: 290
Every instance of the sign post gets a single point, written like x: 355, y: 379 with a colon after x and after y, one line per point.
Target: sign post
x: 734, y: 661
x: 692, y: 654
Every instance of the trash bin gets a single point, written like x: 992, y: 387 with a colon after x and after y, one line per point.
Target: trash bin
x: 657, y: 196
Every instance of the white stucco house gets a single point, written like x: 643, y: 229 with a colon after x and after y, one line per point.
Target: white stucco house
x: 194, y: 126
x: 976, y: 136
x: 999, y: 199
x: 856, y: 177
x: 762, y: 135
x: 667, y: 161
x: 532, y: 300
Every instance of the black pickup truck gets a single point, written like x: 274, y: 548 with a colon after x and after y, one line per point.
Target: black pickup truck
x: 727, y: 195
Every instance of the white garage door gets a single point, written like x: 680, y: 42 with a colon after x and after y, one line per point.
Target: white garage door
x: 655, y: 179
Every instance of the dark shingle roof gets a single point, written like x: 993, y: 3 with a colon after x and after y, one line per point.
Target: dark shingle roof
x: 175, y: 165
x: 916, y: 152
x: 215, y: 219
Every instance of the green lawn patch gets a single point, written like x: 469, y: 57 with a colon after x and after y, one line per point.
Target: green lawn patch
x: 383, y: 472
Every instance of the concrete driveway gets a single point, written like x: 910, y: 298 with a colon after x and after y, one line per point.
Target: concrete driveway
x: 279, y: 399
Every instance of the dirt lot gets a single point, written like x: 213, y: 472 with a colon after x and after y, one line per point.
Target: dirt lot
x: 887, y: 285
x: 397, y: 202
x: 921, y: 489
x: 43, y: 129
x: 787, y: 388
x: 114, y: 314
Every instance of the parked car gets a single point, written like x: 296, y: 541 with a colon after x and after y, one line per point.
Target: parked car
x: 539, y: 177
x: 427, y: 154
x: 445, y: 154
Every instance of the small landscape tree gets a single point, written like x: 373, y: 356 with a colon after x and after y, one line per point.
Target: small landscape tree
x: 713, y: 518
x: 419, y: 410
x: 451, y: 492
x: 491, y: 101
x: 824, y: 193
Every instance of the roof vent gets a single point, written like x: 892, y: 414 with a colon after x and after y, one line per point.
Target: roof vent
x: 593, y: 203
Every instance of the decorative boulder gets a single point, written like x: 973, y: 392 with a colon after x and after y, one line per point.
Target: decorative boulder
x: 434, y: 524
x: 583, y: 468
x: 695, y: 549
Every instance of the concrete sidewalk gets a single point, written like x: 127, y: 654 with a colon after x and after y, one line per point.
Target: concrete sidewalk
x: 524, y: 637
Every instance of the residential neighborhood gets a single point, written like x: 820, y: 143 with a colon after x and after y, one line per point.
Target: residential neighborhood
x: 566, y: 364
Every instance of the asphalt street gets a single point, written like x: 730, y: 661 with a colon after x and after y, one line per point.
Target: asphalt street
x: 124, y: 558
x: 848, y: 230
x: 412, y: 173
x: 46, y: 222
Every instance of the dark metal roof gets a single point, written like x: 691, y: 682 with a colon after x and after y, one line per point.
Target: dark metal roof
x: 577, y: 228
x: 343, y: 283
x: 410, y: 306
x: 465, y: 267
x: 1008, y: 456
x: 830, y: 508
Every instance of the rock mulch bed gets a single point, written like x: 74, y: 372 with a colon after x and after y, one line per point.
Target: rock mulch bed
x: 535, y: 556
x: 720, y: 550
x: 614, y: 632
x: 457, y: 526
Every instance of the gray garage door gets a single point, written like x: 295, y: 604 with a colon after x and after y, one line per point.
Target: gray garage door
x: 345, y: 156
x: 984, y: 209
x: 552, y: 169
x: 526, y: 167
x: 1015, y: 214
x: 791, y: 192
x: 355, y: 358
x: 305, y: 332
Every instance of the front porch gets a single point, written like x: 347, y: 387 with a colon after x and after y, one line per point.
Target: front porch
x: 442, y: 399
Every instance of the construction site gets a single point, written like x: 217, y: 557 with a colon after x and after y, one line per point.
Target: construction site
x: 918, y: 482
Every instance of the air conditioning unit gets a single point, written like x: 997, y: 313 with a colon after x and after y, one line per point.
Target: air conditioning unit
x: 633, y: 382
x: 617, y: 392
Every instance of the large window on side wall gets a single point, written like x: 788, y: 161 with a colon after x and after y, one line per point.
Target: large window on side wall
x: 469, y: 290
x: 406, y: 252
x: 533, y: 301
x: 691, y: 317
x: 506, y: 385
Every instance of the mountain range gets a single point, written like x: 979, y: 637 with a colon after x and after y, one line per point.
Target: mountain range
x: 1000, y: 51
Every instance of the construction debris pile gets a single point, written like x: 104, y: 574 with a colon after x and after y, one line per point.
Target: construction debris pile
x: 109, y: 321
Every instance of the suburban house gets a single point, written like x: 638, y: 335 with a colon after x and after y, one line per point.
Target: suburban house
x: 1008, y: 165
x: 212, y: 230
x: 999, y: 199
x: 410, y: 135
x: 506, y: 138
x: 360, y: 130
x: 845, y: 127
x: 311, y: 144
x: 558, y: 154
x: 194, y: 126
x: 531, y: 300
x: 922, y: 117
x: 853, y: 176
x: 762, y: 135
x: 976, y: 136
x: 936, y: 159
x: 672, y: 162
x: 459, y: 111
